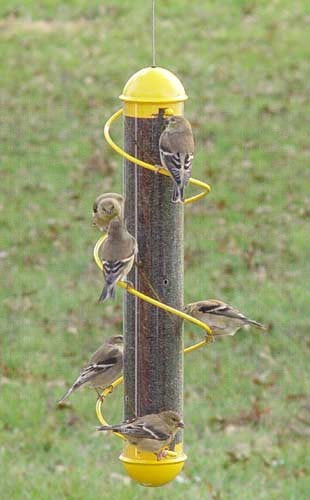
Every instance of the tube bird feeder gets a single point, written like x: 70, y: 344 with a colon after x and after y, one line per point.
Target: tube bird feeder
x: 153, y: 359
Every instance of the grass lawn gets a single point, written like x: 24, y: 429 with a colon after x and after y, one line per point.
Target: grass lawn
x: 245, y: 67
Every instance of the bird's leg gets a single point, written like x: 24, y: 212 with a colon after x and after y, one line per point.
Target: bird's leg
x: 99, y: 395
x: 109, y: 389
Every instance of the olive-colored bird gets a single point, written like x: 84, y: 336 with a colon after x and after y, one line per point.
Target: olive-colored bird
x: 105, y: 366
x: 176, y: 148
x: 117, y: 254
x: 222, y: 318
x: 152, y: 432
x: 105, y: 208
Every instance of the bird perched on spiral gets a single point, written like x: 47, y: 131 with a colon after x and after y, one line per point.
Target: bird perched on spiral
x: 104, y: 367
x: 153, y: 432
x: 117, y: 254
x: 176, y: 148
x: 222, y: 318
x: 106, y: 207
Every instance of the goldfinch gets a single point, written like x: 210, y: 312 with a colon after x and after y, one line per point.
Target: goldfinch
x: 105, y: 366
x: 153, y: 432
x: 176, y: 148
x: 105, y: 208
x: 117, y: 254
x: 220, y: 317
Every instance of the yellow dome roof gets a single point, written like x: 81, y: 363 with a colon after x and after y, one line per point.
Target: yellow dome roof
x: 153, y: 84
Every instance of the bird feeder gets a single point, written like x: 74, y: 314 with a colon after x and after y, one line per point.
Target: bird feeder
x: 153, y: 361
x: 153, y: 331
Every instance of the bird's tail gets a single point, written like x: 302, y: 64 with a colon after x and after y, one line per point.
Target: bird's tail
x: 79, y: 381
x: 178, y: 193
x: 66, y: 395
x: 255, y: 323
x: 108, y: 292
x: 109, y: 428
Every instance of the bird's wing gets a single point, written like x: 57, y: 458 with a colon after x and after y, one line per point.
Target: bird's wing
x: 177, y: 163
x: 115, y: 267
x: 105, y: 355
x: 221, y: 309
x: 144, y: 431
x: 177, y: 159
x: 94, y: 369
x: 99, y: 363
x: 164, y: 143
x: 130, y: 245
x: 89, y: 372
x: 171, y: 156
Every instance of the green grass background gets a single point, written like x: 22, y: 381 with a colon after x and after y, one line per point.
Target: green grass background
x: 245, y: 66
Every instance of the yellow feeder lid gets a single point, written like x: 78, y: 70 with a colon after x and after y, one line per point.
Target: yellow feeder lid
x: 153, y: 84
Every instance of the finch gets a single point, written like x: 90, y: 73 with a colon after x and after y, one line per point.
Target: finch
x: 152, y: 432
x: 220, y: 317
x: 105, y: 208
x: 117, y: 254
x: 176, y: 148
x: 105, y: 366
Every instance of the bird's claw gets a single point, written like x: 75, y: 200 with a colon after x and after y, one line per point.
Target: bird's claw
x: 162, y: 454
x: 110, y: 389
x: 106, y: 391
x: 100, y: 396
x: 129, y: 284
x: 209, y: 338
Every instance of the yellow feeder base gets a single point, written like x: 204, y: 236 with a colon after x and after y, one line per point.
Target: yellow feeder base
x: 144, y: 468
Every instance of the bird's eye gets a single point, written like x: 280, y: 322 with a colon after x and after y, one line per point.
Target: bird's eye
x: 172, y: 120
x: 95, y: 209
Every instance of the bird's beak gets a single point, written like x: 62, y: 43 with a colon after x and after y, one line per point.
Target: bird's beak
x: 181, y: 425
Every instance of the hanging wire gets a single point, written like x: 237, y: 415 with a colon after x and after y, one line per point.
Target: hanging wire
x: 153, y: 35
